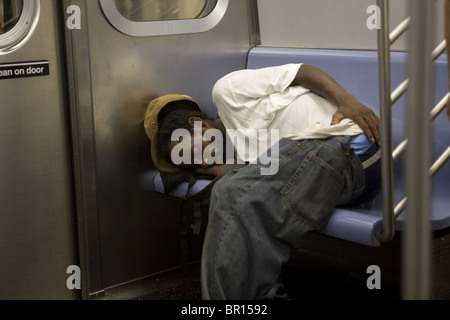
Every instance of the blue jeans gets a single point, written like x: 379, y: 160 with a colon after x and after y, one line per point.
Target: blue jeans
x: 255, y: 220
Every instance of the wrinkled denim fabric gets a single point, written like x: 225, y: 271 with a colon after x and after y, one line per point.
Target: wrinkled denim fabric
x: 256, y: 220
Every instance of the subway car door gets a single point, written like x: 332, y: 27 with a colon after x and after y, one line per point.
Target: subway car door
x: 121, y: 55
x: 37, y: 216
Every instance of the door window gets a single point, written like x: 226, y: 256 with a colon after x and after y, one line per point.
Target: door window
x: 151, y: 10
x: 142, y: 18
x: 18, y: 19
x: 10, y: 11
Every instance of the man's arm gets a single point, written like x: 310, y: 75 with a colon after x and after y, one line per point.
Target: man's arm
x: 447, y: 38
x: 348, y: 107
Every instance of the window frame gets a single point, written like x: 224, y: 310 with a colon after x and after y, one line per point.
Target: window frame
x: 162, y: 27
x: 24, y: 28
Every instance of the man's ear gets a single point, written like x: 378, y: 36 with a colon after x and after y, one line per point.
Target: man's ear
x: 193, y: 120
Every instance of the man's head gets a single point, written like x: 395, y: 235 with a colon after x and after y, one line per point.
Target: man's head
x: 166, y: 115
x: 157, y: 110
x: 183, y: 121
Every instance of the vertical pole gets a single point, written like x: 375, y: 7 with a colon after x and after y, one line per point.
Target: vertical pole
x: 384, y: 71
x: 416, y: 253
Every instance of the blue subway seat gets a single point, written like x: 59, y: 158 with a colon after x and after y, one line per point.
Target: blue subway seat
x: 357, y: 72
x: 152, y: 181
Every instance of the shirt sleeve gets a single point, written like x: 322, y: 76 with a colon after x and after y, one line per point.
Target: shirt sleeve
x: 248, y: 84
x: 247, y: 93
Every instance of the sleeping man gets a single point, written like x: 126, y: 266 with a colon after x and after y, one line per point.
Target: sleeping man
x: 308, y: 146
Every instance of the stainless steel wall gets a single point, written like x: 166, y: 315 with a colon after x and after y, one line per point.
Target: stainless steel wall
x: 37, y: 227
x: 332, y: 24
x: 126, y: 232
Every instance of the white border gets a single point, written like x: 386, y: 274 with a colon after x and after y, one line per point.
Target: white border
x: 24, y: 28
x: 157, y: 28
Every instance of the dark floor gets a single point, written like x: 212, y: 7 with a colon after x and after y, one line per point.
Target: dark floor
x: 181, y: 284
x: 183, y: 291
x: 319, y: 270
x: 300, y: 285
x: 324, y: 268
x: 315, y: 286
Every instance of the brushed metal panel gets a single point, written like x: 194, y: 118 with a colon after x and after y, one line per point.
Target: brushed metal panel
x: 36, y: 215
x: 332, y: 24
x: 137, y: 231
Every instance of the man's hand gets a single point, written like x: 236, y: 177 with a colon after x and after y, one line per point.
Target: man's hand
x: 367, y: 120
x: 348, y: 107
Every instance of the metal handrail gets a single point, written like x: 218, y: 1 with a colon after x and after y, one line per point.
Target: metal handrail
x: 437, y: 165
x: 401, y: 89
x: 399, y: 30
x: 386, y: 123
x: 416, y: 247
x: 401, y: 148
x: 390, y: 214
x: 443, y: 158
x: 416, y: 244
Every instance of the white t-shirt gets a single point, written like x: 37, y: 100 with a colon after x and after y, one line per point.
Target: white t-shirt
x: 250, y: 100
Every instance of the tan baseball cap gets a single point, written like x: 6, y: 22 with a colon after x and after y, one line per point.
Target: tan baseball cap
x: 158, y: 107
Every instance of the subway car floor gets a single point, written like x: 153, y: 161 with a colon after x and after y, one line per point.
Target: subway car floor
x: 184, y: 287
x: 322, y: 268
x: 301, y: 284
